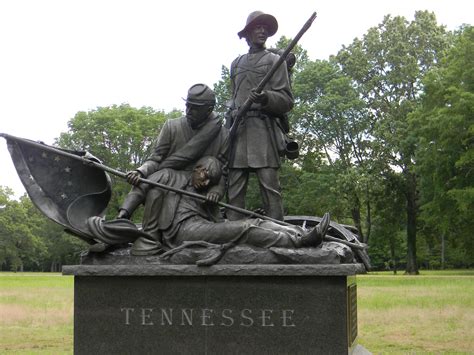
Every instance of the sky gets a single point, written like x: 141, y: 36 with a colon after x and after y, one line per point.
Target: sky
x: 59, y: 57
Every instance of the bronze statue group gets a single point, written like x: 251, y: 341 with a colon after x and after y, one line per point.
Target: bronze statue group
x: 196, y: 153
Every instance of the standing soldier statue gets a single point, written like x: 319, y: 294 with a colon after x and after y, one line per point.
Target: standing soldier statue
x: 259, y: 136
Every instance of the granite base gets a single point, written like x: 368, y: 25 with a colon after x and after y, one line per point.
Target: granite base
x: 223, y: 309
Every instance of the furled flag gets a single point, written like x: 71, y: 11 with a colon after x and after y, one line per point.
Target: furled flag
x: 60, y: 183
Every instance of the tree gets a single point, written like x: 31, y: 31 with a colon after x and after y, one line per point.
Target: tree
x: 311, y: 192
x: 388, y: 66
x: 301, y: 55
x: 223, y: 92
x: 331, y: 118
x: 59, y: 247
x: 444, y: 125
x: 20, y: 247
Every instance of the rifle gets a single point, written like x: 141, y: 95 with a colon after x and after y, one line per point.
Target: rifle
x: 194, y: 195
x: 246, y: 106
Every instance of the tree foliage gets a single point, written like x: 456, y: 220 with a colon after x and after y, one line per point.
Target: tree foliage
x: 388, y: 66
x: 29, y: 241
x: 223, y: 92
x: 331, y: 118
x: 19, y: 246
x: 444, y: 125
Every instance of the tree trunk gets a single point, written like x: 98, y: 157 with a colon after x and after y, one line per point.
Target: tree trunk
x: 412, y: 266
x: 443, y: 250
x: 368, y: 220
x: 55, y: 266
x: 392, y: 255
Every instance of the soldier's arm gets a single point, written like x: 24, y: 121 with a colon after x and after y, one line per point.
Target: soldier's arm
x: 162, y: 148
x: 217, y: 191
x: 279, y: 99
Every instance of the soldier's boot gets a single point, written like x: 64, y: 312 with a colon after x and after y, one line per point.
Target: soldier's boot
x: 315, y: 236
x: 130, y: 204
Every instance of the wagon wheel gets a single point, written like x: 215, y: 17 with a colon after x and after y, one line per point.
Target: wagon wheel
x: 344, y: 232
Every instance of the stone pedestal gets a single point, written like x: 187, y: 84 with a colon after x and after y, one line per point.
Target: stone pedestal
x: 223, y: 309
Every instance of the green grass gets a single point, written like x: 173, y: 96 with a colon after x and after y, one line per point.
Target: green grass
x: 466, y: 272
x: 36, y: 313
x: 429, y: 313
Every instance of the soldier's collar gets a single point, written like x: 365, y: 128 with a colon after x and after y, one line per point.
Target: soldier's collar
x: 253, y: 50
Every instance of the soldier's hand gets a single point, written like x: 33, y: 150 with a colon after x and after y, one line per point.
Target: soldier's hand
x: 233, y: 114
x: 133, y: 177
x: 261, y: 211
x: 261, y: 98
x: 213, y: 197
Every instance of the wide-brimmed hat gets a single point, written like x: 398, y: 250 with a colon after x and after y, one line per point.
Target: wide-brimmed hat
x: 200, y: 95
x: 263, y: 18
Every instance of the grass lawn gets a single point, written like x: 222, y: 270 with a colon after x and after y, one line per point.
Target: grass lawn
x: 429, y: 313
x: 36, y: 313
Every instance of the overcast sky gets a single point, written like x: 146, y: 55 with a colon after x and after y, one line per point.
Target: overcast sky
x: 59, y: 57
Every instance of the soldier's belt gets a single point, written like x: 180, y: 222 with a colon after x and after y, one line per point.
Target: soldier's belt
x: 255, y: 113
